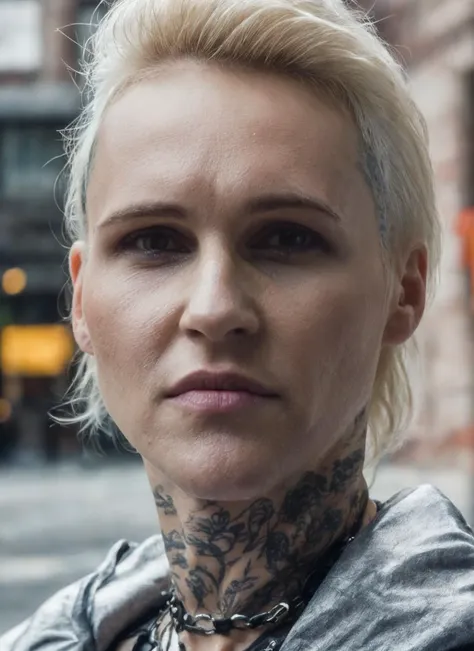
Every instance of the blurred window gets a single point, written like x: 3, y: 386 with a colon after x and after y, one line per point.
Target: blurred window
x: 32, y: 309
x: 31, y: 159
x: 20, y: 35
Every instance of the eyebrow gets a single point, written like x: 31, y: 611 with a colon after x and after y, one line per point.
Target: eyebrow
x: 270, y: 202
x: 264, y: 203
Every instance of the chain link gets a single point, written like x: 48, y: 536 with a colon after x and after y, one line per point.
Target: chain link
x: 204, y: 624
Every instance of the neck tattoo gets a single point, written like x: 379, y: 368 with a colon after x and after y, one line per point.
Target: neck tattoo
x: 259, y: 567
x: 285, y: 611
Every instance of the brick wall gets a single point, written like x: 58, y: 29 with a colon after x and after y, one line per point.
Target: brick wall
x: 435, y: 41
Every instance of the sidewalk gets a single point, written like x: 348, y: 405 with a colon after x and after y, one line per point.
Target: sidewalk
x: 455, y: 482
x: 56, y: 524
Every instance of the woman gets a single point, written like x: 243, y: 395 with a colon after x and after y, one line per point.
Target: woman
x: 254, y: 228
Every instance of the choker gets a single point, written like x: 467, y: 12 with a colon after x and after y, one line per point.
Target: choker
x: 203, y: 624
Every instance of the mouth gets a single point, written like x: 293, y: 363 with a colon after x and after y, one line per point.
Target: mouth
x: 219, y: 392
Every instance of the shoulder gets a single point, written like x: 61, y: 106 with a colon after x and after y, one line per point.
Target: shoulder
x: 425, y: 520
x: 405, y: 583
x: 93, y: 612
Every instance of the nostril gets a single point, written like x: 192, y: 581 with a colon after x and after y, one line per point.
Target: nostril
x: 195, y: 334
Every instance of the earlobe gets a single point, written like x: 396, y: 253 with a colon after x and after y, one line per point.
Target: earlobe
x: 400, y: 326
x: 79, y: 324
x: 410, y: 303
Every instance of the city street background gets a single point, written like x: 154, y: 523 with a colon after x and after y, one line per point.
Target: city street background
x: 58, y: 514
x: 57, y: 524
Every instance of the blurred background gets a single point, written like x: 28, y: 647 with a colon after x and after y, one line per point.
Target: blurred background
x: 61, y: 504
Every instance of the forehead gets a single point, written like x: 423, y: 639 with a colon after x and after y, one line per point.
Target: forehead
x: 194, y: 129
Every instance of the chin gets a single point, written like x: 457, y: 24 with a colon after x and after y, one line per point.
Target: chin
x: 223, y: 476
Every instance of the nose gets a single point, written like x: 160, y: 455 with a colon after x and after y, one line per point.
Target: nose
x: 219, y: 305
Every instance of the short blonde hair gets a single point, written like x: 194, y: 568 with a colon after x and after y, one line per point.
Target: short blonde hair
x: 322, y: 42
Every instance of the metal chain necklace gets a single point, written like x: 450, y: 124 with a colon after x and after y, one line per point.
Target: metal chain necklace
x: 208, y: 625
x: 183, y: 621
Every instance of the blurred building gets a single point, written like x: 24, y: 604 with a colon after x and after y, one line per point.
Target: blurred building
x: 37, y: 99
x: 435, y: 41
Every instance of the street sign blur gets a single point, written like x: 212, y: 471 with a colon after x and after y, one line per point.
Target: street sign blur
x: 43, y: 350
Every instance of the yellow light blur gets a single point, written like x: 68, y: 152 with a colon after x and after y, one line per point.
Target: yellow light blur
x: 44, y: 350
x: 5, y: 410
x: 14, y: 281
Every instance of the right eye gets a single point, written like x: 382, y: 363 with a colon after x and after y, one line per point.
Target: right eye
x: 154, y: 242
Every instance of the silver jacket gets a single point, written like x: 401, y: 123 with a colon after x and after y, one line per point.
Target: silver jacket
x: 405, y: 584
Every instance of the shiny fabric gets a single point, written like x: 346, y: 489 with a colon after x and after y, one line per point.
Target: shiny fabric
x: 405, y: 584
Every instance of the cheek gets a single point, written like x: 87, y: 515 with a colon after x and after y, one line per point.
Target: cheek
x: 127, y: 330
x: 130, y: 321
x: 334, y: 330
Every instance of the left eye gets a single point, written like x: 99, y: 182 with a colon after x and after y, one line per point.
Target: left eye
x: 292, y: 239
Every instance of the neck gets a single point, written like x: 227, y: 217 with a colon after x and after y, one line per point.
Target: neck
x: 228, y: 558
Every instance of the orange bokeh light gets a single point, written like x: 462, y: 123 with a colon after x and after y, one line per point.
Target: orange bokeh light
x: 14, y: 281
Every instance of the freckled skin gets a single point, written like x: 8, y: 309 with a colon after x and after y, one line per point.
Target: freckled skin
x: 214, y: 283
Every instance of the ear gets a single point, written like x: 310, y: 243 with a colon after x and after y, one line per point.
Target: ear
x: 409, y: 299
x: 79, y: 325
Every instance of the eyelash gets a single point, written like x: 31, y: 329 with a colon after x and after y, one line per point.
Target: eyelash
x: 316, y: 241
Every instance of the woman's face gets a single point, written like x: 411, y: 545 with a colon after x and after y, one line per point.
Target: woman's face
x: 230, y: 229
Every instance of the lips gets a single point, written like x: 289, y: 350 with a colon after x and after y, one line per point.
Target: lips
x: 218, y: 381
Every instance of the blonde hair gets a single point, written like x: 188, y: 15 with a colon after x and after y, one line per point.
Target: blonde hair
x: 322, y: 42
